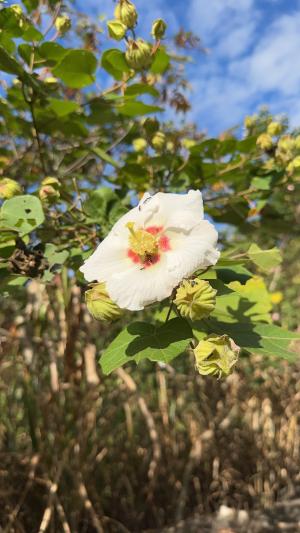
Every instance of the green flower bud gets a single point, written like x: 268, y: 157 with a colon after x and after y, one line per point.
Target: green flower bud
x: 264, y: 141
x: 51, y: 181
x: 216, y: 356
x: 63, y: 24
x: 286, y: 143
x: 188, y: 143
x: 100, y: 305
x: 249, y: 122
x: 48, y: 194
x: 116, y: 29
x: 158, y: 141
x: 138, y: 54
x: 158, y: 29
x: 195, y: 299
x: 49, y: 190
x: 293, y: 165
x: 297, y: 142
x: 274, y: 128
x: 140, y: 144
x: 126, y: 13
x: 9, y: 188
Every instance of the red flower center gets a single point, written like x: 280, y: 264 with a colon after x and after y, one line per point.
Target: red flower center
x: 163, y: 243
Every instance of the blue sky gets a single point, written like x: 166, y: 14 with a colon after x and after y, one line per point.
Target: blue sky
x: 253, y: 54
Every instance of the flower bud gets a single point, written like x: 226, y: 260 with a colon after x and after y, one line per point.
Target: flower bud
x: 140, y: 144
x: 249, y: 122
x: 293, y: 165
x: 100, y: 305
x: 138, y: 54
x: 276, y: 297
x: 264, y: 141
x: 297, y: 142
x: 63, y: 24
x: 216, y: 355
x: 158, y: 29
x: 16, y: 9
x: 9, y: 188
x: 188, y: 143
x: 49, y: 190
x: 274, y: 128
x: 158, y: 141
x: 50, y: 180
x: 48, y: 194
x: 286, y: 143
x: 116, y: 29
x: 195, y: 299
x: 126, y: 13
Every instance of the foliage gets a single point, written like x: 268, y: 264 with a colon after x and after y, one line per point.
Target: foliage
x: 60, y: 124
x: 83, y: 134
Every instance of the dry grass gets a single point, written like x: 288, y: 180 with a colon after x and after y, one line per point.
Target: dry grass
x: 140, y: 449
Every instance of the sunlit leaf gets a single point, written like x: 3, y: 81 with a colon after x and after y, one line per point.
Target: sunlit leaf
x: 141, y: 340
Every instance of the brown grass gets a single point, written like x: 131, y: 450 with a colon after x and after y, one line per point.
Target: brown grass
x: 141, y: 449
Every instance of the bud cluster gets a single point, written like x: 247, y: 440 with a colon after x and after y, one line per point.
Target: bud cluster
x: 216, y: 355
x: 138, y: 54
x: 49, y: 190
x: 63, y: 24
x: 100, y: 305
x: 9, y: 188
x: 195, y: 299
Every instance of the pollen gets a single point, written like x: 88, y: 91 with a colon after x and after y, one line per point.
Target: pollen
x: 141, y: 242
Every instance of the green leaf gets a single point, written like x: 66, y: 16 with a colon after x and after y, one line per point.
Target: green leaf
x: 114, y: 62
x: 9, y: 64
x: 56, y: 259
x: 141, y: 340
x: 52, y: 51
x: 134, y: 108
x: 240, y: 303
x: 98, y: 203
x: 262, y: 184
x: 62, y: 107
x: 24, y: 213
x: 265, y: 339
x: 54, y: 256
x: 141, y: 88
x: 264, y: 259
x: 76, y: 69
x: 161, y: 62
x: 31, y: 33
x: 105, y: 156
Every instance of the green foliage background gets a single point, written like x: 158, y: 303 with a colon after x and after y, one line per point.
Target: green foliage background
x: 76, y: 155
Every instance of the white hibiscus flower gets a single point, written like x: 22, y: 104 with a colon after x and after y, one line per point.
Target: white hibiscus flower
x: 152, y: 248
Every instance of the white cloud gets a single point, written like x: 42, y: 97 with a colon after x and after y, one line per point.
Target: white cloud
x: 275, y: 60
x: 251, y: 65
x: 253, y: 60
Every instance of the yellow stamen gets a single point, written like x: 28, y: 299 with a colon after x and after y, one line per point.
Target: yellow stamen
x: 141, y: 241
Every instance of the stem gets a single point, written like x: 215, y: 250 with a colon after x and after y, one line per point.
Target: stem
x: 35, y: 127
x: 37, y: 136
x: 169, y: 311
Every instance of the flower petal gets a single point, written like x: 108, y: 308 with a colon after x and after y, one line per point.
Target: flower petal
x: 135, y: 288
x: 192, y: 252
x: 107, y: 259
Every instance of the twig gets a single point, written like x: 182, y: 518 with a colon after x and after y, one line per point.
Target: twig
x: 15, y: 512
x: 89, y: 506
x: 55, y: 15
x: 29, y: 102
x: 131, y: 385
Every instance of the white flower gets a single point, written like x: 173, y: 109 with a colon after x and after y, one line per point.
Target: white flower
x: 152, y: 248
